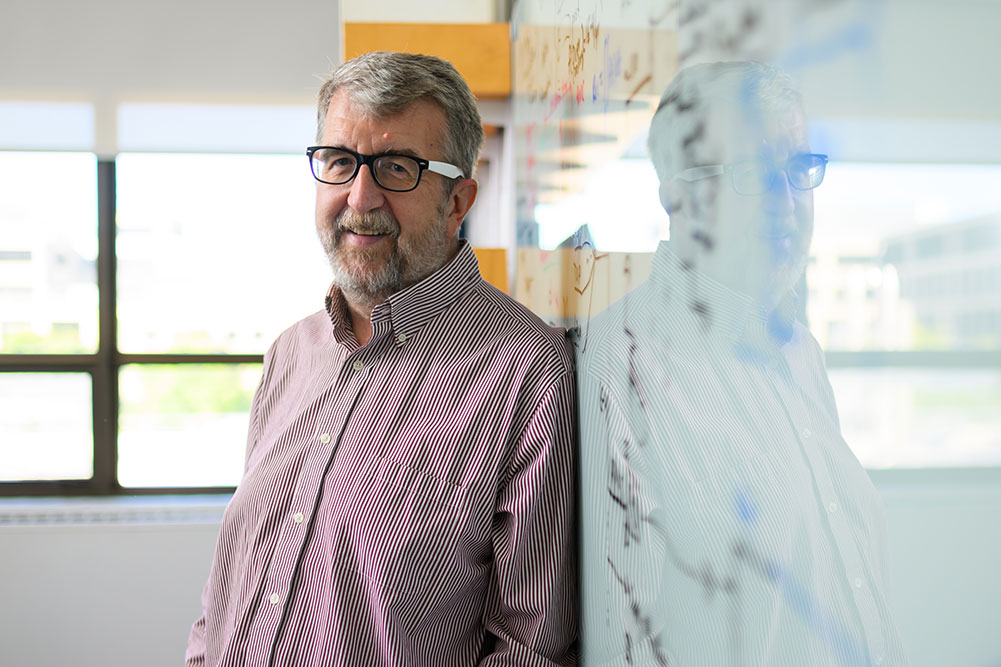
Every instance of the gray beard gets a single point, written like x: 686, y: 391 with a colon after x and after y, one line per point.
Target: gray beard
x: 363, y: 275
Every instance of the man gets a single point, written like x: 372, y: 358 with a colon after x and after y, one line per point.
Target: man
x: 407, y: 493
x: 724, y: 519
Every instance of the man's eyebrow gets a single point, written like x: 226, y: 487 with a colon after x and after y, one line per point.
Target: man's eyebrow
x: 409, y: 152
x: 399, y: 151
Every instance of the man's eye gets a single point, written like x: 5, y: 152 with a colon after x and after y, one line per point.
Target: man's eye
x: 398, y: 166
x: 343, y: 162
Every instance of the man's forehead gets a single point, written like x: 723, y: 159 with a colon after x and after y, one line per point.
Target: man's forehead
x: 751, y: 133
x: 418, y: 126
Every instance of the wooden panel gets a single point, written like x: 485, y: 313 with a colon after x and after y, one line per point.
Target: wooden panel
x: 480, y: 51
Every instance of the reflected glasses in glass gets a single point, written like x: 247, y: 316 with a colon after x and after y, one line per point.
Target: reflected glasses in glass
x: 805, y: 171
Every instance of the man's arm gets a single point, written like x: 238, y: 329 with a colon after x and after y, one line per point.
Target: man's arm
x: 194, y: 656
x: 532, y: 602
x: 620, y: 580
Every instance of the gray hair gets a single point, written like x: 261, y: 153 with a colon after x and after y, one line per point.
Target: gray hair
x: 385, y: 83
x: 749, y: 89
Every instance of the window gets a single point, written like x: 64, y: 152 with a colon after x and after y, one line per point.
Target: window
x: 138, y: 295
x: 913, y: 362
x: 183, y: 424
x: 63, y: 126
x: 894, y: 252
x: 222, y: 263
x: 931, y: 246
x: 979, y: 238
x: 48, y: 253
x: 47, y: 425
x: 901, y: 295
x: 920, y: 416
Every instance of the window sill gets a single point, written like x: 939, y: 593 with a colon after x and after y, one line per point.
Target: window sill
x: 119, y: 510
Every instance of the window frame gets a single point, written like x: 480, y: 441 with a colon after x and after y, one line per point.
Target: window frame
x: 103, y: 367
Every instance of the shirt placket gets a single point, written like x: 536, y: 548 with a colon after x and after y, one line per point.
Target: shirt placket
x: 326, y: 435
x: 813, y: 439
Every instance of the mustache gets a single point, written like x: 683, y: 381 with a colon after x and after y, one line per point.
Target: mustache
x: 371, y: 222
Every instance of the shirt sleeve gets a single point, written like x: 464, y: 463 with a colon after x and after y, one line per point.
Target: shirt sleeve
x: 194, y: 656
x: 254, y: 430
x: 531, y: 609
x: 620, y: 567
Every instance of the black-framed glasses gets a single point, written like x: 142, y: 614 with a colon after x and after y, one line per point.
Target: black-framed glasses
x: 805, y: 171
x: 398, y: 173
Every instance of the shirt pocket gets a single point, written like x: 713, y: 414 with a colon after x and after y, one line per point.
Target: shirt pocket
x: 402, y: 526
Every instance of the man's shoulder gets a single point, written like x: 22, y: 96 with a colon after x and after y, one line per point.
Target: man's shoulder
x: 608, y: 336
x: 310, y: 330
x: 497, y: 316
x: 314, y: 324
x: 804, y: 351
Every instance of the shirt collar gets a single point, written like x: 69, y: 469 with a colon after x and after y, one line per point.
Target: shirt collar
x: 406, y: 312
x: 733, y: 315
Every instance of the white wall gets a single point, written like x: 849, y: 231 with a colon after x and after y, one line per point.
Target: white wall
x: 111, y: 595
x: 918, y: 85
x: 945, y: 549
x: 428, y: 11
x: 110, y: 51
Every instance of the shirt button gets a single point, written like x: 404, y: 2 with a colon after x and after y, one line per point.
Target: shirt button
x: 298, y: 518
x: 806, y: 433
x: 274, y: 598
x: 325, y: 438
x: 858, y: 582
x: 358, y: 365
x: 832, y: 507
x: 879, y: 660
x: 401, y: 338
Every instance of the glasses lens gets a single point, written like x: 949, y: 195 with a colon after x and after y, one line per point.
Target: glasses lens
x: 397, y: 172
x: 333, y: 166
x: 806, y: 171
x: 752, y: 178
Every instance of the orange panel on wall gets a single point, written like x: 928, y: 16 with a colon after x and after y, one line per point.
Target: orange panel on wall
x: 493, y: 266
x: 480, y: 51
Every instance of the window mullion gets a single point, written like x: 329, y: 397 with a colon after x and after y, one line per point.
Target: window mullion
x: 105, y: 372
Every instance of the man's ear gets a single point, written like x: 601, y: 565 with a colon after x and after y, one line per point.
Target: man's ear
x: 460, y: 200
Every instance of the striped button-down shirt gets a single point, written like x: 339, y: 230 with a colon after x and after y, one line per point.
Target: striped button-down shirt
x: 407, y: 502
x: 724, y: 519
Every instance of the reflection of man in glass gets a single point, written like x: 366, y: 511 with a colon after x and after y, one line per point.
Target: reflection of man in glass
x: 724, y: 520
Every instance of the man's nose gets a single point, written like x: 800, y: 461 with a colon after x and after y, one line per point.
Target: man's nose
x: 365, y: 195
x: 781, y: 196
